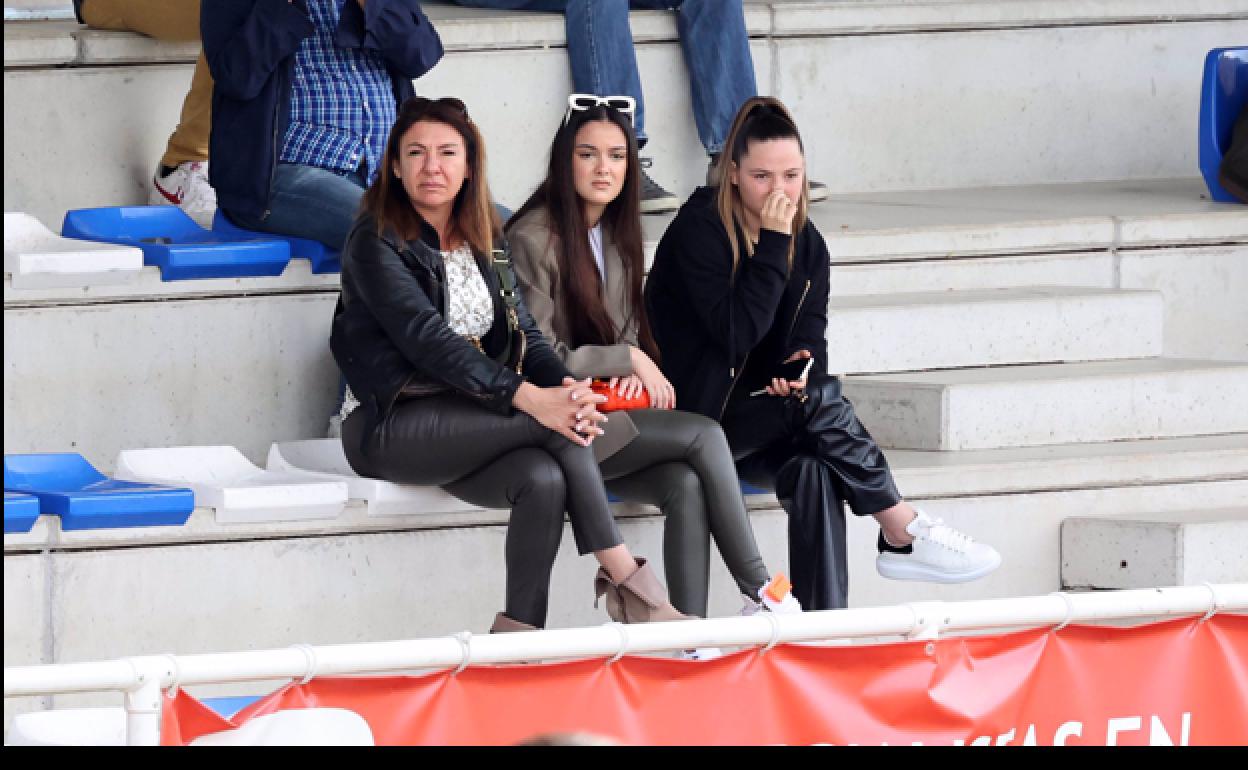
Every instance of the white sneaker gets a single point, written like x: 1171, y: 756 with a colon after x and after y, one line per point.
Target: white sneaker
x: 775, y: 596
x: 187, y: 188
x: 939, y: 554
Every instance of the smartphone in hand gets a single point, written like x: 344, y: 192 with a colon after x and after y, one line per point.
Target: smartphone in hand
x: 791, y: 371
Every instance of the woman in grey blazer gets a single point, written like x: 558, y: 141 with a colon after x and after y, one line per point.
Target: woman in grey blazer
x: 577, y: 251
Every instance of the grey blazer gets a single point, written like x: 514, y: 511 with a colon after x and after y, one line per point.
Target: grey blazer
x: 537, y: 270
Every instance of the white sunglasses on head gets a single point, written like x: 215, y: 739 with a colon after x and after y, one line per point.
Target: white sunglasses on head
x: 582, y: 102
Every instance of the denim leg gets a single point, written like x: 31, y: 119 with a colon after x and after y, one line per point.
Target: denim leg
x: 721, y: 70
x: 309, y: 202
x: 600, y: 44
x: 600, y: 50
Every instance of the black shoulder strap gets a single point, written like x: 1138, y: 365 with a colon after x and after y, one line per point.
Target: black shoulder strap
x: 507, y: 284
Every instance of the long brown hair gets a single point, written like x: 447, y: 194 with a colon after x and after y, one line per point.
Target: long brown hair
x: 581, y: 290
x: 473, y: 217
x: 760, y: 119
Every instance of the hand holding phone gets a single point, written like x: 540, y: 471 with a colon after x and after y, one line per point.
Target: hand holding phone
x: 791, y: 372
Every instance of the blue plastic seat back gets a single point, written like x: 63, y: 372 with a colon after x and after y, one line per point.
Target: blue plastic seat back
x: 20, y: 511
x: 1223, y: 94
x: 322, y: 258
x: 68, y: 486
x: 182, y: 249
x: 25, y: 473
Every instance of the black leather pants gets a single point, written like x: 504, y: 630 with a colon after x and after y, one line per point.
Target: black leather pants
x: 681, y: 463
x: 496, y: 462
x: 815, y: 454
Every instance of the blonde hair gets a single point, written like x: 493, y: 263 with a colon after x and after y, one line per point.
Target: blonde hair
x: 761, y: 118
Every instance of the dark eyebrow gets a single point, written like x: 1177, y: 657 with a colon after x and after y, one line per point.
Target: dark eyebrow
x: 410, y: 145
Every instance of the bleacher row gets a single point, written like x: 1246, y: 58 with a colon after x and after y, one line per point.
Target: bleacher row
x: 165, y: 237
x: 111, y: 245
x: 302, y: 481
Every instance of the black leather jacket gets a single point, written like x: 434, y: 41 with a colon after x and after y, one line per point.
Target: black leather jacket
x: 389, y: 329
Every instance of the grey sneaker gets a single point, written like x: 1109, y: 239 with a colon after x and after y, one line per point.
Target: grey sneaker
x: 712, y: 172
x: 654, y: 199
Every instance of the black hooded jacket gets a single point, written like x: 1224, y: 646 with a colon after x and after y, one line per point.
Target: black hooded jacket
x: 716, y: 329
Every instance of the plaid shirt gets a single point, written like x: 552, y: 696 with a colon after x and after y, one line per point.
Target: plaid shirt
x: 341, y: 102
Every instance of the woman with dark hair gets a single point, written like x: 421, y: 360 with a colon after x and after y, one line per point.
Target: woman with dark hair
x: 577, y: 246
x: 432, y: 339
x: 738, y: 299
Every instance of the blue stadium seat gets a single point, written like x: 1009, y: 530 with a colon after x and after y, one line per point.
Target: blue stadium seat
x: 70, y: 487
x: 1222, y: 96
x: 20, y: 511
x: 172, y: 241
x: 323, y: 258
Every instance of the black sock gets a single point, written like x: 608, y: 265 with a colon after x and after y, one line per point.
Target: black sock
x: 884, y: 546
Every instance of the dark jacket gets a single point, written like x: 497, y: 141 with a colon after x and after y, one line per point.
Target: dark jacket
x: 250, y: 46
x: 713, y: 327
x: 390, y: 331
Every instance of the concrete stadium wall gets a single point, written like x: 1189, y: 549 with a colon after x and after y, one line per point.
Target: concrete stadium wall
x: 1033, y: 104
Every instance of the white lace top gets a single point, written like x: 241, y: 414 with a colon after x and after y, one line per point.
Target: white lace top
x: 469, y: 307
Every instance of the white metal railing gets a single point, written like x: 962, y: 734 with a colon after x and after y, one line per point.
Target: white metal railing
x: 143, y: 678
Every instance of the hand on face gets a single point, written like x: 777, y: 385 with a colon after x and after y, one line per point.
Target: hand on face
x: 778, y: 212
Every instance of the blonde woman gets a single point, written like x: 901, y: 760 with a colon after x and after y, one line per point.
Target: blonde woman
x: 737, y: 299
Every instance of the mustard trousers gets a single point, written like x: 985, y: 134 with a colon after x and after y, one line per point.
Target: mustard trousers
x: 172, y: 20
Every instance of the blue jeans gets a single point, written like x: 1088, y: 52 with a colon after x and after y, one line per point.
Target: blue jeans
x: 600, y: 50
x: 310, y: 202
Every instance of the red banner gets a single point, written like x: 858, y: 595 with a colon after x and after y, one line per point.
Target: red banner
x: 1182, y: 682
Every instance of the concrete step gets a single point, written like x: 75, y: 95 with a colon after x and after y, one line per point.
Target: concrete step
x: 1053, y: 403
x: 256, y: 593
x: 935, y: 330
x: 1045, y: 219
x: 153, y: 334
x: 926, y: 72
x: 919, y: 474
x: 1146, y: 550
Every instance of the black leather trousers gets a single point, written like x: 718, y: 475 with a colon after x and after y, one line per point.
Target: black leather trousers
x: 495, y: 461
x: 815, y: 454
x: 681, y: 463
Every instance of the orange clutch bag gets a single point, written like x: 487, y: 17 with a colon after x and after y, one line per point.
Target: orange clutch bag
x: 615, y: 401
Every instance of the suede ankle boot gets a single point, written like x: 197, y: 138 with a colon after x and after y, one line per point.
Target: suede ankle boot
x: 504, y: 624
x: 640, y: 598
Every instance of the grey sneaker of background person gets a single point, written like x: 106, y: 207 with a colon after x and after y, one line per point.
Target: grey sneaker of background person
x: 818, y: 190
x: 654, y: 199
